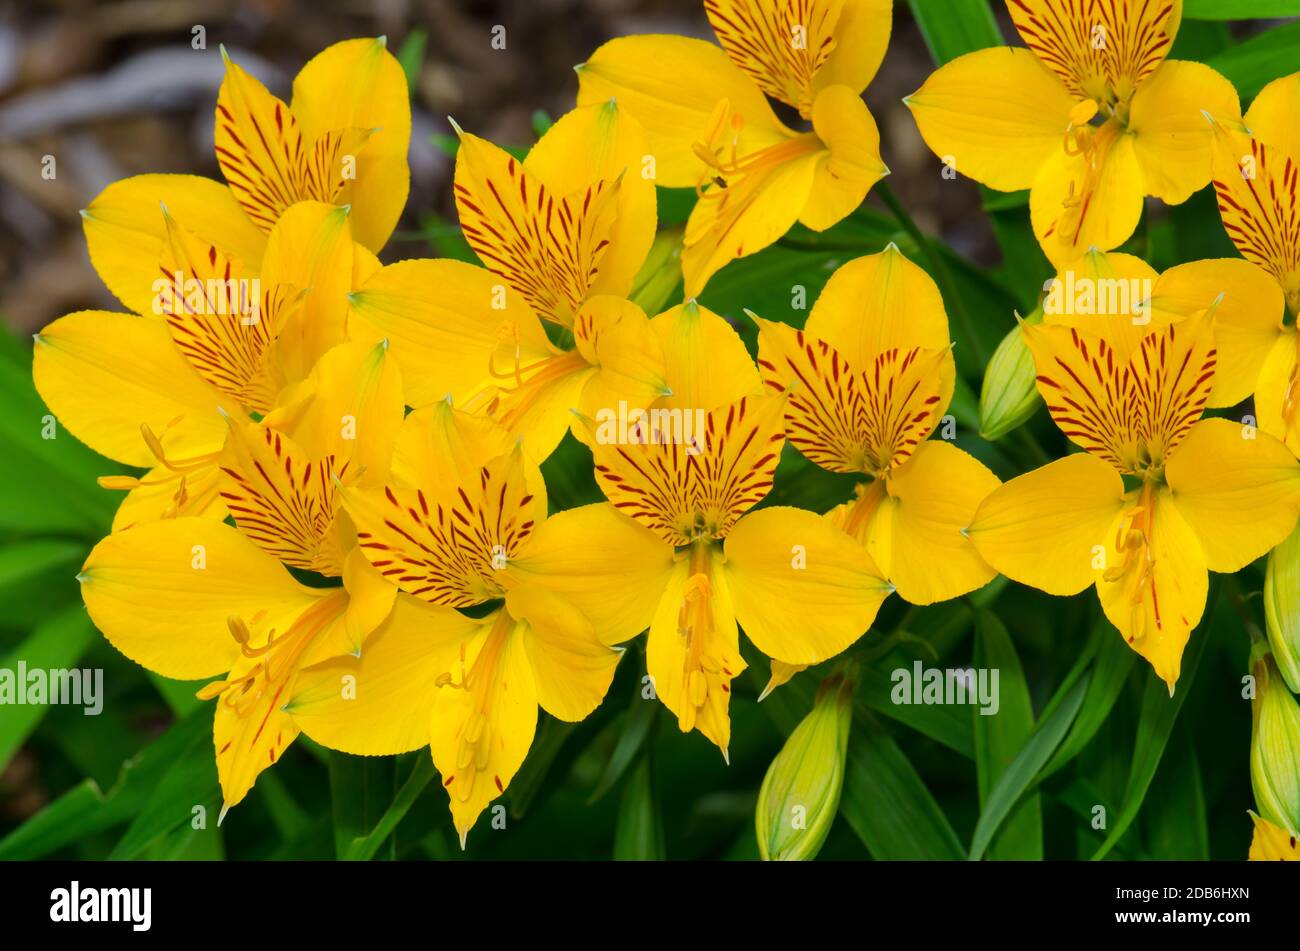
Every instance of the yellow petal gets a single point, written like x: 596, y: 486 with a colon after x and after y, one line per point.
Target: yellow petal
x: 671, y: 86
x: 1277, y: 392
x: 483, y: 725
x: 1099, y: 52
x: 572, y: 668
x: 1132, y: 413
x: 250, y: 738
x: 358, y: 84
x: 1256, y: 186
x: 1247, y: 318
x: 445, y: 342
x: 604, y: 143
x: 441, y: 445
x: 995, y: 115
x: 370, y: 600
x: 693, y: 651
x: 162, y: 593
x: 683, y: 492
x: 608, y: 566
x: 381, y: 703
x: 1089, y: 199
x: 1046, y: 528
x: 1226, y: 475
x: 1272, y: 843
x: 848, y: 419
x: 861, y: 36
x: 615, y: 336
x: 706, y: 363
x: 878, y: 302
x: 350, y: 408
x: 802, y: 589
x: 1107, y: 294
x: 851, y: 163
x: 1171, y: 139
x: 125, y: 230
x: 105, y: 375
x: 1154, y: 592
x: 311, y: 247
x: 932, y: 498
x: 1274, y: 116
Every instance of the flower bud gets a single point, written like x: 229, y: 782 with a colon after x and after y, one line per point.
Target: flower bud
x: 1009, y: 395
x: 801, y: 791
x: 661, y: 274
x: 1282, y: 608
x: 1274, y: 744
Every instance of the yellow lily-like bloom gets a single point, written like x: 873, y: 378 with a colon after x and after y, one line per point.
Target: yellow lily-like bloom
x: 678, y: 550
x: 1091, y: 117
x: 709, y: 123
x: 1133, y: 402
x: 1255, y: 177
x: 461, y: 508
x: 868, y: 380
x: 194, y: 597
x: 1272, y: 843
x: 342, y: 140
x: 563, y: 234
x: 153, y: 390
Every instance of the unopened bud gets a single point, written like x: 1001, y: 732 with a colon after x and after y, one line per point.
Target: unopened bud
x: 1274, y: 744
x: 801, y: 791
x: 1009, y: 395
x: 1282, y: 608
x: 661, y: 274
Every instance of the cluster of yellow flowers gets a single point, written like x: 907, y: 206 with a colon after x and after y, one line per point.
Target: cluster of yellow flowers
x: 343, y: 457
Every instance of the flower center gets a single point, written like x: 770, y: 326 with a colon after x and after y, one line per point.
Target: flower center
x: 695, y: 624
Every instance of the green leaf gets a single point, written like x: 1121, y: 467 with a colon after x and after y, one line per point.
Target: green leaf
x: 361, y: 787
x: 1024, y: 769
x: 1255, y: 63
x: 1001, y: 735
x: 637, y: 724
x: 86, y: 809
x: 56, y: 645
x: 190, y: 784
x: 528, y: 782
x: 638, y: 831
x: 1179, y: 829
x: 364, y: 849
x: 886, y: 802
x: 1239, y: 9
x: 411, y: 56
x: 952, y: 28
x: 1155, y: 723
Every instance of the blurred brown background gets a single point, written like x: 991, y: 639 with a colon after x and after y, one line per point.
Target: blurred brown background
x: 112, y: 88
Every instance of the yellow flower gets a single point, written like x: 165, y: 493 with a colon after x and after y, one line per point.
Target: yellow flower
x: 1134, y: 403
x: 1255, y: 178
x: 461, y: 508
x: 677, y: 548
x: 1272, y: 843
x: 343, y: 140
x: 564, y: 234
x: 1091, y: 117
x: 868, y: 380
x: 191, y: 598
x: 709, y: 124
x: 214, y: 341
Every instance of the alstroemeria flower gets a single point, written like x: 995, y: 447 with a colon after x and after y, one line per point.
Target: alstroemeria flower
x: 1092, y: 117
x: 343, y: 140
x: 1158, y: 498
x: 194, y: 597
x: 710, y: 126
x: 1255, y: 176
x: 677, y: 548
x: 446, y: 530
x: 153, y: 390
x: 868, y: 379
x: 563, y: 234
